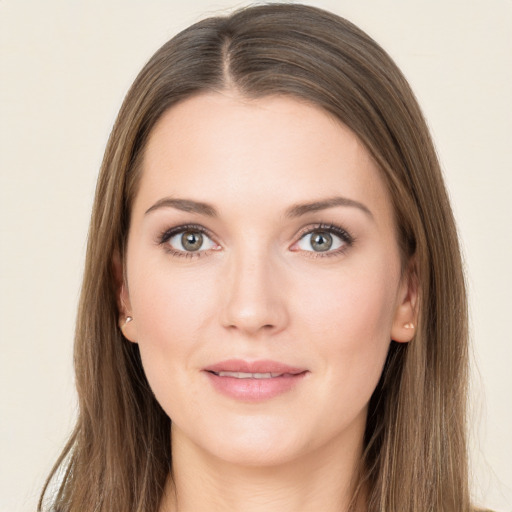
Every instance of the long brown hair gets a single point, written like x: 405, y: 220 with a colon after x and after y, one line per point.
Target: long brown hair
x: 119, y: 454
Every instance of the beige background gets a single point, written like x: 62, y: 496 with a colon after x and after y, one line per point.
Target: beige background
x: 64, y: 69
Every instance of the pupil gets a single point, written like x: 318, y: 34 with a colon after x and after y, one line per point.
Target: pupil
x: 321, y: 241
x: 192, y: 241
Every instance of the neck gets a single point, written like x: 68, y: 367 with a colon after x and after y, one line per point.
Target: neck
x: 321, y: 480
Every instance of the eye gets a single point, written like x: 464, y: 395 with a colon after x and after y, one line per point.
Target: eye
x: 188, y: 240
x: 323, y: 240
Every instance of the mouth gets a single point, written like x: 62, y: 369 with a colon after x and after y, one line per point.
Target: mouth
x: 245, y: 375
x: 253, y: 381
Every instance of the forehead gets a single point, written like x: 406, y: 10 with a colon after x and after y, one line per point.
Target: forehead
x: 221, y: 147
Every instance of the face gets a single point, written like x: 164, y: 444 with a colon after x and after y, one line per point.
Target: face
x: 263, y: 277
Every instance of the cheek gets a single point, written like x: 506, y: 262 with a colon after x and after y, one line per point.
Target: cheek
x: 357, y: 303
x: 350, y: 322
x: 170, y: 310
x: 170, y: 305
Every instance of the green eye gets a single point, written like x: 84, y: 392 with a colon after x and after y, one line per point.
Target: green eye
x: 190, y: 241
x: 320, y: 241
x: 324, y: 240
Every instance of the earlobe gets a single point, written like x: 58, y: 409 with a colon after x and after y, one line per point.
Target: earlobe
x: 405, y: 322
x: 125, y: 317
x: 128, y: 327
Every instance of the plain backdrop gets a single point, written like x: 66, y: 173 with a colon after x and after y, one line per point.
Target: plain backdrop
x: 65, y: 66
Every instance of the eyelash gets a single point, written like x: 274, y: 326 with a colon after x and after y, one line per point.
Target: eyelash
x: 347, y: 239
x: 168, y: 234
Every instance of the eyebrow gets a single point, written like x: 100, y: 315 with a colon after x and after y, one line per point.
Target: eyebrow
x: 297, y: 210
x: 303, y: 208
x: 186, y: 205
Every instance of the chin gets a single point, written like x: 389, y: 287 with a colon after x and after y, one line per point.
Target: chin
x: 256, y: 454
x: 247, y: 441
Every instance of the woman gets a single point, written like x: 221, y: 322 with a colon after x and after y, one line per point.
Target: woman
x: 273, y: 312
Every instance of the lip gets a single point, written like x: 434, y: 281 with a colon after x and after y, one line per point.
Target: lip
x: 261, y: 366
x: 254, y: 389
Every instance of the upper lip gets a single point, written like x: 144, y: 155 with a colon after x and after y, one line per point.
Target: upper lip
x: 262, y: 366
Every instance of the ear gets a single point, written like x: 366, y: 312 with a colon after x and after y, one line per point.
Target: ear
x: 406, y: 313
x: 126, y: 321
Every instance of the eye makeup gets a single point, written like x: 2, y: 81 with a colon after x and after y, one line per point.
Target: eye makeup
x: 325, y: 233
x: 326, y: 240
x: 192, y: 230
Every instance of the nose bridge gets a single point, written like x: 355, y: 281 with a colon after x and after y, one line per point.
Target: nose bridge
x: 253, y: 299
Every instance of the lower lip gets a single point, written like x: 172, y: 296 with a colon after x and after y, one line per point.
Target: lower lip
x: 254, y: 390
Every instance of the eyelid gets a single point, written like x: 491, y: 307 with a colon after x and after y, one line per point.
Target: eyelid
x: 169, y: 233
x: 166, y: 235
x: 333, y: 229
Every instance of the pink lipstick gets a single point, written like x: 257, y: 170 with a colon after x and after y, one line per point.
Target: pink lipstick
x: 253, y: 381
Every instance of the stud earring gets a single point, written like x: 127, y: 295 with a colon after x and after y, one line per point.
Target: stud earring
x: 409, y: 326
x: 128, y: 320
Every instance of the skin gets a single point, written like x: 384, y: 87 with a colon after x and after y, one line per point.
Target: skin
x: 256, y: 290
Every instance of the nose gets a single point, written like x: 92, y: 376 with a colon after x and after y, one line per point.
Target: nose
x: 254, y: 295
